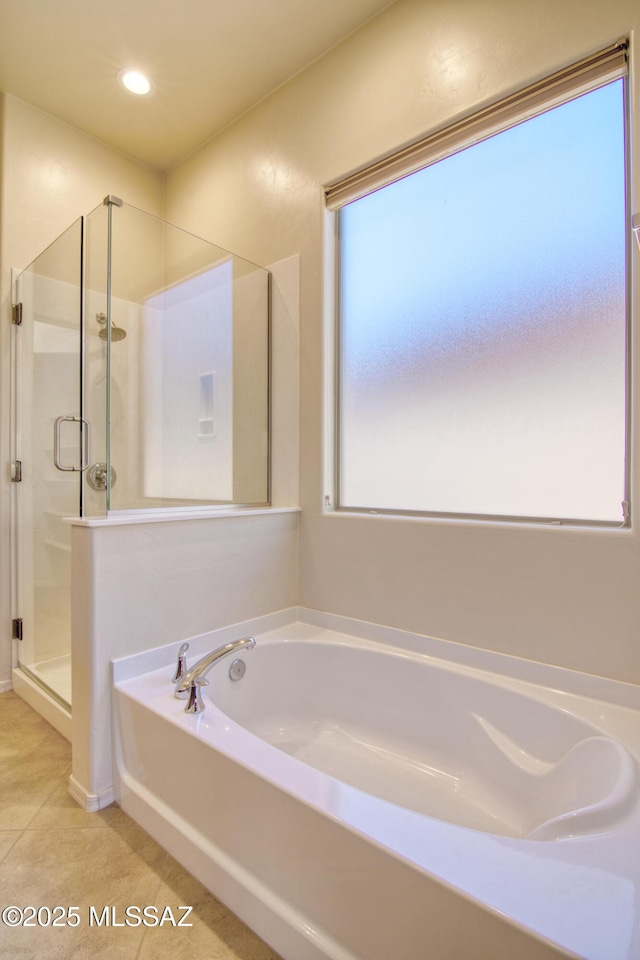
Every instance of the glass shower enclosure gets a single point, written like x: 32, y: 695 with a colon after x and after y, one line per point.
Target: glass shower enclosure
x: 140, y: 383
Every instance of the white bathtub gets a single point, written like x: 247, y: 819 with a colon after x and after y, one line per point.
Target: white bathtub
x: 353, y: 799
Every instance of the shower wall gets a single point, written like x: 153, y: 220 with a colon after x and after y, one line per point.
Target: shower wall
x: 183, y: 464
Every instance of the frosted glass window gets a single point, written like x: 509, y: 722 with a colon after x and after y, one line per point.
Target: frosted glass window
x: 483, y: 326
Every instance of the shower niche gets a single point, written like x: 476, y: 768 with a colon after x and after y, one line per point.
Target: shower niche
x: 140, y: 383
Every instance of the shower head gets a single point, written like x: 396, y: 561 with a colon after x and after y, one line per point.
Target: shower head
x: 117, y: 333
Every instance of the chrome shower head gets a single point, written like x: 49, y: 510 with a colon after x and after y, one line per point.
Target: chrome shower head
x: 117, y: 333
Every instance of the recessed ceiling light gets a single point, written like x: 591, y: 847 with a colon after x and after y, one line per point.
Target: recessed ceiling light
x: 136, y: 82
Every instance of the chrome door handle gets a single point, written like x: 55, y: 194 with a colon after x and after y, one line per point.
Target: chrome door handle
x: 86, y: 458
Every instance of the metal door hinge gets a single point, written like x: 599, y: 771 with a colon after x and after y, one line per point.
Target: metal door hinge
x: 16, y: 628
x: 16, y: 471
x: 16, y: 314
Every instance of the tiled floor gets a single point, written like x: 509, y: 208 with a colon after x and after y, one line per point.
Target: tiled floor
x: 52, y: 854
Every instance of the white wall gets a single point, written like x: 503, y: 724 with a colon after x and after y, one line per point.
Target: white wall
x: 564, y: 596
x: 51, y: 175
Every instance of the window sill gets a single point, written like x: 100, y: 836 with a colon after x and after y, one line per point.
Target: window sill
x: 479, y: 520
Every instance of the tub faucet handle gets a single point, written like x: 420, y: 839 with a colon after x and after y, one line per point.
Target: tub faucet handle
x: 196, y: 701
x: 181, y: 667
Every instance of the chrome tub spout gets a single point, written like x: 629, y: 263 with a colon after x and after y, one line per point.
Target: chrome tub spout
x: 189, y: 685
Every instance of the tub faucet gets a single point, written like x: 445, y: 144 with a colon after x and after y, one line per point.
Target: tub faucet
x: 181, y: 666
x: 191, y: 683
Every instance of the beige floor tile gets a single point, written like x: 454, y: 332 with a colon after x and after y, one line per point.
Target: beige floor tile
x: 24, y: 790
x: 27, y: 740
x: 11, y: 701
x: 7, y: 840
x: 24, y: 729
x: 33, y: 757
x: 32, y: 742
x: 43, y: 944
x: 60, y: 811
x: 80, y: 867
x: 100, y: 943
x: 80, y: 943
x: 216, y: 933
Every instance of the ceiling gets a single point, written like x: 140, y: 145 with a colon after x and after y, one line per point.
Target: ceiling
x: 211, y: 60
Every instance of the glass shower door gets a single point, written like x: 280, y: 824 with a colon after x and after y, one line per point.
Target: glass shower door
x: 50, y: 444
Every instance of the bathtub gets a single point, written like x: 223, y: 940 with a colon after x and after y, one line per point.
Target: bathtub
x: 356, y: 797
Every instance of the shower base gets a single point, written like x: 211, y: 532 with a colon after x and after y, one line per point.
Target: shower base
x: 48, y: 691
x: 55, y: 674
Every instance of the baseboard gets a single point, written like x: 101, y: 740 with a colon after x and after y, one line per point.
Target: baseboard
x: 91, y: 802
